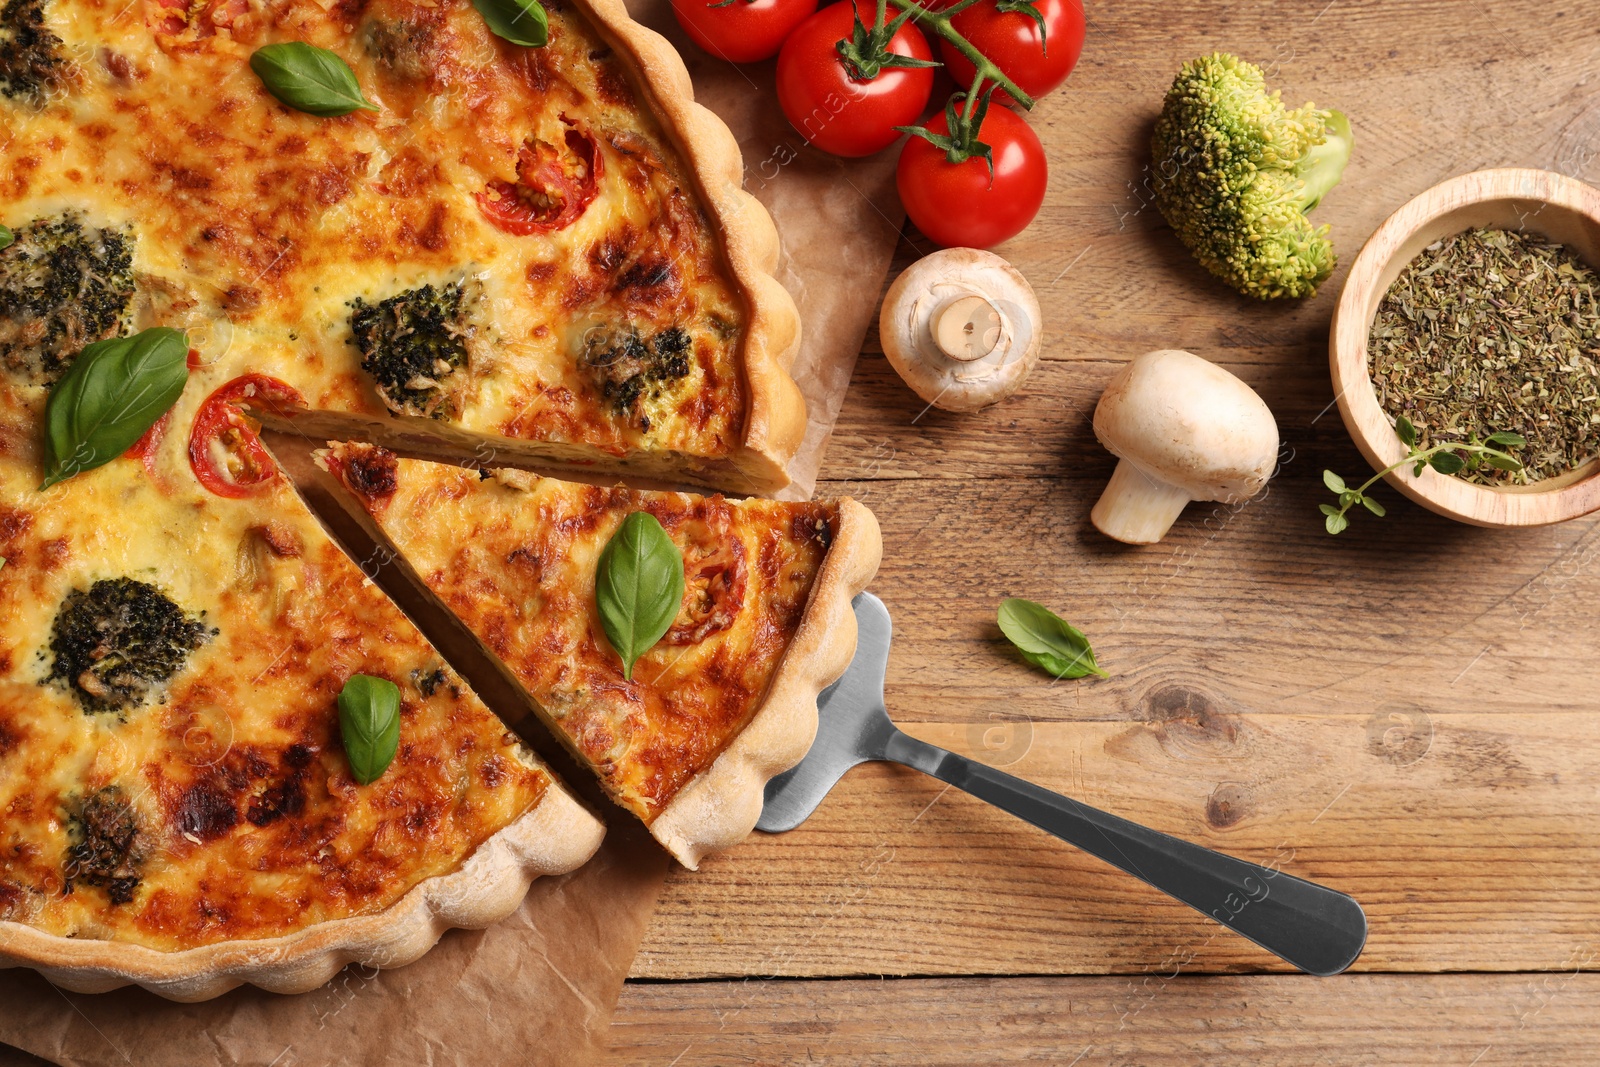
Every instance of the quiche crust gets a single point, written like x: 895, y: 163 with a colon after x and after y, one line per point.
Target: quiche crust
x: 555, y: 836
x: 775, y: 413
x: 718, y: 808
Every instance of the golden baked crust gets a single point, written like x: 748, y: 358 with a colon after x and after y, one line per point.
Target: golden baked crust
x: 724, y: 701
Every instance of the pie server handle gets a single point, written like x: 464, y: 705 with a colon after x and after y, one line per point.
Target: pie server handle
x: 1318, y: 930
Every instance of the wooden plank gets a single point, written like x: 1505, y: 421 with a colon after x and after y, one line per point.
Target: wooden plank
x: 1153, y: 1020
x: 1446, y: 675
x: 1470, y: 839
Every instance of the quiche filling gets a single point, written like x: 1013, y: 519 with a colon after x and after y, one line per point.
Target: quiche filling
x: 514, y: 556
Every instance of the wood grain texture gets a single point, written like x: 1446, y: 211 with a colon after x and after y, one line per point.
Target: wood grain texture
x: 1444, y: 677
x: 1155, y: 1020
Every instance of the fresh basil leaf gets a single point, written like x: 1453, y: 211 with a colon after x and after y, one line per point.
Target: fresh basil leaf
x: 1405, y: 431
x: 1446, y: 462
x: 1505, y: 463
x: 518, y: 21
x: 1373, y: 506
x: 1333, y: 481
x: 1507, y: 438
x: 309, y: 79
x: 369, y: 723
x: 1046, y: 640
x: 1336, y: 522
x: 6, y: 236
x: 639, y: 587
x: 114, y: 391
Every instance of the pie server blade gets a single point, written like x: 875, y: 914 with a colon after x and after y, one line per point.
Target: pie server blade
x: 1316, y: 929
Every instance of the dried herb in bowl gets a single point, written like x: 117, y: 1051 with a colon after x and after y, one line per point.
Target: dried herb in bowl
x: 1491, y: 330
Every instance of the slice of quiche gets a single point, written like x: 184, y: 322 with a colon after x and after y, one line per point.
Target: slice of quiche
x: 723, y: 702
x: 179, y: 808
x: 543, y: 253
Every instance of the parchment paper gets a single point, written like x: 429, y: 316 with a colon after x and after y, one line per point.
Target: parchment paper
x: 539, y: 987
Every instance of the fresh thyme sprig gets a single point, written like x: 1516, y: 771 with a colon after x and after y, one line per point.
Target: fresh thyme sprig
x: 1447, y: 457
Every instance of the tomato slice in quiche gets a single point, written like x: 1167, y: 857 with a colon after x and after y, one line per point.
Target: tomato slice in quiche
x: 543, y: 253
x: 724, y: 701
x: 180, y: 806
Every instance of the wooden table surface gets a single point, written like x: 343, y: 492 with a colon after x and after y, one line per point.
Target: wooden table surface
x: 1406, y: 712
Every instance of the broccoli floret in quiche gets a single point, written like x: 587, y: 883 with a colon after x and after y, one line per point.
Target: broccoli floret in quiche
x: 118, y: 640
x: 412, y: 343
x: 31, y: 63
x: 63, y: 285
x: 104, y: 844
x: 625, y: 367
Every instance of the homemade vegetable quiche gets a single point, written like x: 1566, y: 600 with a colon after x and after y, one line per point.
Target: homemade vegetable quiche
x: 724, y: 701
x: 496, y: 253
x: 177, y: 809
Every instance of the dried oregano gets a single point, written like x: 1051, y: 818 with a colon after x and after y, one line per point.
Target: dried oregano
x: 1488, y: 331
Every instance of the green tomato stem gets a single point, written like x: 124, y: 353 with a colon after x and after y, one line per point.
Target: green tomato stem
x: 939, y: 23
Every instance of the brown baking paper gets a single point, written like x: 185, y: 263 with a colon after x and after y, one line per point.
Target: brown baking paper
x: 538, y: 987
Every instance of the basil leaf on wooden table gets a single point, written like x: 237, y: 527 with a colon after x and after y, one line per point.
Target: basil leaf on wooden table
x: 114, y: 391
x: 369, y: 723
x: 309, y: 79
x: 1046, y: 640
x: 518, y: 21
x: 638, y: 587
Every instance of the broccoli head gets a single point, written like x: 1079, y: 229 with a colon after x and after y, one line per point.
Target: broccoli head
x: 63, y: 285
x: 412, y: 343
x: 31, y: 63
x: 1236, y: 172
x: 118, y: 640
x: 626, y: 368
x: 104, y: 844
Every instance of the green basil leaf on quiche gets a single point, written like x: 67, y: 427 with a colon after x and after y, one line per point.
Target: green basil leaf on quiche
x: 6, y: 236
x: 114, y: 391
x: 309, y: 79
x: 638, y: 587
x: 369, y: 723
x: 518, y: 21
x: 1046, y: 640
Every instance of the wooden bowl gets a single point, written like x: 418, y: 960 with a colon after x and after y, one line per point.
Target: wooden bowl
x: 1542, y: 201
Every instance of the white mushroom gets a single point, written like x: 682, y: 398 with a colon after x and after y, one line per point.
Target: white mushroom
x: 961, y: 327
x: 1182, y: 429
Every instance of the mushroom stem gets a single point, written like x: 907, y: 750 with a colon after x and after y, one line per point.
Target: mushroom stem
x: 966, y: 328
x: 1137, y: 508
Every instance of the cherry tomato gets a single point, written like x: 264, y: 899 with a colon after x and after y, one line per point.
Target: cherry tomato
x: 225, y: 451
x: 741, y: 31
x: 834, y: 111
x: 148, y: 445
x: 554, y: 185
x: 715, y: 578
x: 1011, y: 40
x: 192, y: 19
x: 958, y: 205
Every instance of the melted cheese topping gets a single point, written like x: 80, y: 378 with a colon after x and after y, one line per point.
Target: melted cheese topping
x: 268, y: 223
x: 249, y: 824
x: 515, y: 558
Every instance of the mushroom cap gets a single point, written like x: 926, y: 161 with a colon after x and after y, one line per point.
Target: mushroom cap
x: 1185, y: 421
x: 961, y: 326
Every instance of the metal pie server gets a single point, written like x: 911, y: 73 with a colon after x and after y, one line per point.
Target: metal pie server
x: 1316, y: 929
